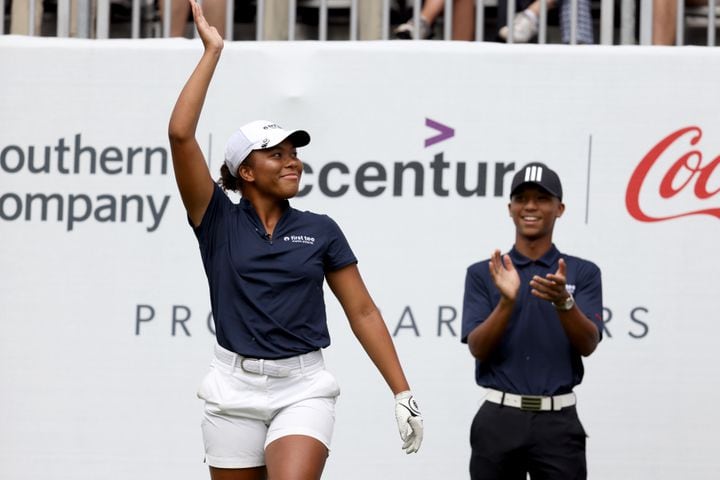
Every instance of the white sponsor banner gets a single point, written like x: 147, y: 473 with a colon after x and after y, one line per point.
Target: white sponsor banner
x: 103, y: 301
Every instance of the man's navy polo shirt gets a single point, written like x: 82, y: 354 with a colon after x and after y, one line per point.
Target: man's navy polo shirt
x: 267, y: 294
x: 534, y: 356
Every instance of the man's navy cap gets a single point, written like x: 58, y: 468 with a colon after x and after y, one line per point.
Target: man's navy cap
x: 539, y: 174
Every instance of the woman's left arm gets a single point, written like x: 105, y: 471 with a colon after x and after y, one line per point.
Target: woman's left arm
x: 367, y: 324
x: 369, y: 327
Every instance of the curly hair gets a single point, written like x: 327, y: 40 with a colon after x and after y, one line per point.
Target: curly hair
x: 228, y: 181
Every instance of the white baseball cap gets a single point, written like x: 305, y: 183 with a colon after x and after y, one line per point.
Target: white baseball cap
x: 258, y: 135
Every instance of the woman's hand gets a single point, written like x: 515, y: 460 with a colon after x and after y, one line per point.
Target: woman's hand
x: 212, y: 40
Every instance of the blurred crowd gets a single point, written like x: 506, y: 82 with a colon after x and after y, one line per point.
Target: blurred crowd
x: 405, y: 24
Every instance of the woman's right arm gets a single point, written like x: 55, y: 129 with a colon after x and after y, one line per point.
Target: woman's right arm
x: 191, y: 172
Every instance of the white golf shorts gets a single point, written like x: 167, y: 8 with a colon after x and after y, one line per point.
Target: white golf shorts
x: 249, y: 403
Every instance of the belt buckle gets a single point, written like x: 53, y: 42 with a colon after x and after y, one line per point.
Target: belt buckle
x: 258, y: 366
x: 533, y: 403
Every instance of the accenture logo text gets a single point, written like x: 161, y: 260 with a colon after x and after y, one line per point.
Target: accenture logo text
x: 408, y: 178
x: 674, y: 180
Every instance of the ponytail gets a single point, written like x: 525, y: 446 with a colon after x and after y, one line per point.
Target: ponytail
x: 228, y: 181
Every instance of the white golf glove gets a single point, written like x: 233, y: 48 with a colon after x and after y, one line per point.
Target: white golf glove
x: 410, y: 421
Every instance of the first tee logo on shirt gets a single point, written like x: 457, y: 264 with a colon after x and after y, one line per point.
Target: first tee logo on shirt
x: 299, y: 239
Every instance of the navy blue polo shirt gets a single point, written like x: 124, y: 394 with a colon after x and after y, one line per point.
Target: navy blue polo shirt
x: 267, y: 293
x: 534, y: 356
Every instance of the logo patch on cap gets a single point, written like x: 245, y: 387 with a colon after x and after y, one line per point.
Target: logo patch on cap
x: 533, y: 173
x: 539, y: 174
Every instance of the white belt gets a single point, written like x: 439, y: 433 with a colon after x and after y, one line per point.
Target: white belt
x: 531, y: 402
x: 283, y: 367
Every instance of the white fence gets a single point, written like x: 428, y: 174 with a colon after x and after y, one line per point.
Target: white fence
x: 361, y: 20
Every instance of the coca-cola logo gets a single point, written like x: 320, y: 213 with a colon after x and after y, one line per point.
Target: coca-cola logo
x: 673, y: 175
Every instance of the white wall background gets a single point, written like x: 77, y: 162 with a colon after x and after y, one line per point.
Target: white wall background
x: 85, y: 397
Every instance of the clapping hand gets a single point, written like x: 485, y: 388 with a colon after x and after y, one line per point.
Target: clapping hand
x: 504, y: 275
x: 553, y: 286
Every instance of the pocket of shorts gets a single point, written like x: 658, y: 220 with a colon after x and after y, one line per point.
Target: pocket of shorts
x: 208, y: 386
x: 327, y: 385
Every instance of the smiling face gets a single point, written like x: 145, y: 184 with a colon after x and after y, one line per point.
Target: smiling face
x: 534, y: 211
x: 272, y: 172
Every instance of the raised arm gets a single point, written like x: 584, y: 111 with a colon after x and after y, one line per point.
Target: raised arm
x: 191, y: 172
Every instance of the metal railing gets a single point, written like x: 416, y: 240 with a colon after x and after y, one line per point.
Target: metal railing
x: 361, y: 19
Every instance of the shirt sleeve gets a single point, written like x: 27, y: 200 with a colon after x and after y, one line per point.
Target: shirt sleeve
x: 588, y: 293
x: 209, y: 232
x: 338, y: 253
x: 477, y: 300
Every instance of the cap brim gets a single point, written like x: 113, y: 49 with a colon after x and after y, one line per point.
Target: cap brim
x: 299, y: 138
x: 535, y: 184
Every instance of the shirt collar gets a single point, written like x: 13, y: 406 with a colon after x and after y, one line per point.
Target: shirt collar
x: 248, y: 208
x: 246, y: 205
x: 549, y: 258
